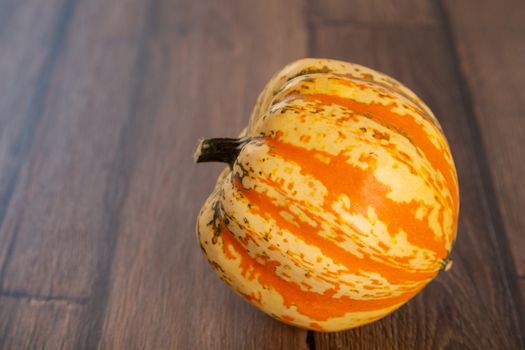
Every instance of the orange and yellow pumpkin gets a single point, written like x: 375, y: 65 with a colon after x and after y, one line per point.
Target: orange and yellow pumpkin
x: 340, y: 201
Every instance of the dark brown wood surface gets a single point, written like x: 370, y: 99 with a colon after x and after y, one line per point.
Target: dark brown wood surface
x: 497, y: 99
x: 101, y: 105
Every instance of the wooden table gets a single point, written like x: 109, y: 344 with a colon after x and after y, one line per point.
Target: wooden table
x: 101, y: 104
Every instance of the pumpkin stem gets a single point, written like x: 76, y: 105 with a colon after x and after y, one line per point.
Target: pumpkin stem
x: 223, y: 150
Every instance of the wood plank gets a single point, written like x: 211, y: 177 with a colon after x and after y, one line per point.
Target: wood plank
x: 399, y: 12
x: 30, y: 36
x: 206, y: 63
x: 473, y: 305
x: 37, y: 323
x: 491, y: 49
x: 64, y: 201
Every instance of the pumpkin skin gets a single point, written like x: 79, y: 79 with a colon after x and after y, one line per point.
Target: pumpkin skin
x: 341, y: 202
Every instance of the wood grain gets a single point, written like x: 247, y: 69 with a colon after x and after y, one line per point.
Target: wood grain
x: 521, y: 285
x: 60, y: 207
x: 494, y: 71
x: 374, y: 12
x: 26, y: 62
x: 101, y: 105
x: 38, y: 323
x: 159, y: 275
x: 473, y: 306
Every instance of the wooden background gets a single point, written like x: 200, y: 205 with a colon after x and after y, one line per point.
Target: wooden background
x: 101, y: 104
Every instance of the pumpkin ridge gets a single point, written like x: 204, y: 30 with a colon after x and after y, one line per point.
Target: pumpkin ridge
x: 392, y: 148
x: 384, y: 115
x: 423, y: 273
x: 263, y: 206
x: 318, y: 306
x: 314, y: 167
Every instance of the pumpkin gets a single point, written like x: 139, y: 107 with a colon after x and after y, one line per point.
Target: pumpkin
x: 340, y: 199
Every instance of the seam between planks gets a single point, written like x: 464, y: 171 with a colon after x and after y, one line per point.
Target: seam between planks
x: 375, y: 25
x: 310, y: 340
x: 32, y: 119
x: 23, y: 295
x: 488, y: 194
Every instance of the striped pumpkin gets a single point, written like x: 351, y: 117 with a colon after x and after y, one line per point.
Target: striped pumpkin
x: 340, y: 201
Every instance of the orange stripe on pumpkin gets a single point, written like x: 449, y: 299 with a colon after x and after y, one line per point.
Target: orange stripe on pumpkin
x: 316, y: 326
x: 364, y: 190
x: 320, y: 307
x: 263, y: 205
x: 342, y: 235
x: 393, y: 92
x: 408, y: 125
